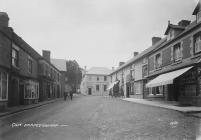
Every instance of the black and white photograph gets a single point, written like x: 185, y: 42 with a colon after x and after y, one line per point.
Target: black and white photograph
x: 100, y: 69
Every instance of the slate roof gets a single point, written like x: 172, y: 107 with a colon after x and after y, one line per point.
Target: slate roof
x: 173, y: 27
x: 197, y: 8
x: 59, y: 64
x: 143, y: 53
x: 99, y: 71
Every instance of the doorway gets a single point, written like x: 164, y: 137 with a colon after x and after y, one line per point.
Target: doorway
x: 21, y: 94
x: 89, y: 91
x: 14, y: 94
x: 127, y: 91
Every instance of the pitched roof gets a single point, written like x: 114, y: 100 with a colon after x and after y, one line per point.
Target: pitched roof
x: 99, y: 71
x: 25, y: 46
x: 143, y: 53
x: 173, y: 27
x: 197, y: 8
x: 59, y: 64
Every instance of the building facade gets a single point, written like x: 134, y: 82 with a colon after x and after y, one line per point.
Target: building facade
x: 49, y: 78
x: 95, y: 81
x: 20, y: 70
x: 178, y: 59
x: 5, y: 60
x: 170, y: 68
x: 60, y: 64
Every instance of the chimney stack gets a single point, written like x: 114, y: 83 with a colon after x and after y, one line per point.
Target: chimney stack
x: 155, y: 40
x: 135, y: 54
x: 184, y: 23
x: 46, y: 55
x: 4, y: 19
x: 121, y: 63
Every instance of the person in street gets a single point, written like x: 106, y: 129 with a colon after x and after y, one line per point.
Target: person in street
x: 71, y: 95
x: 68, y: 90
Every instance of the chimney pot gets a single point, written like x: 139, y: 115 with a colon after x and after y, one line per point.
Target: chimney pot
x: 184, y: 23
x: 155, y: 40
x: 4, y: 19
x: 135, y: 54
x: 46, y: 55
x: 121, y: 63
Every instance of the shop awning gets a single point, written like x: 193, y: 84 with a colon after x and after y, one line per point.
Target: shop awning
x: 167, y: 78
x: 112, y: 85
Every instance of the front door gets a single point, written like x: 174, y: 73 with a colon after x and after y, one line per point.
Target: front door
x: 21, y: 94
x: 127, y: 91
x: 89, y: 91
x: 14, y: 96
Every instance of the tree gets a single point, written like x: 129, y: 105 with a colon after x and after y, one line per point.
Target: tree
x: 74, y: 74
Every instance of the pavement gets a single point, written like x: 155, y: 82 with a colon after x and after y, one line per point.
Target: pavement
x: 20, y: 108
x: 166, y: 104
x: 99, y: 118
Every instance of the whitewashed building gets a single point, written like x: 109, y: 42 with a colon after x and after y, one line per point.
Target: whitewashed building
x: 95, y: 81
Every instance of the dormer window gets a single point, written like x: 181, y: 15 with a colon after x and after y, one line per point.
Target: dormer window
x: 197, y: 12
x: 170, y: 35
x: 198, y: 16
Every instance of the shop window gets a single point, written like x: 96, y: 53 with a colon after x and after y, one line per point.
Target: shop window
x: 156, y: 90
x: 31, y: 90
x: 30, y: 65
x: 177, y: 54
x: 158, y: 61
x: 105, y: 87
x: 97, y: 87
x: 15, y: 57
x: 197, y: 43
x: 137, y: 88
x: 3, y: 86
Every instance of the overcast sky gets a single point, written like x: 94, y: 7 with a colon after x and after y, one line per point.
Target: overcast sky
x: 94, y: 32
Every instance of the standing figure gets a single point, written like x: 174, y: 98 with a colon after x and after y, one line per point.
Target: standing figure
x: 71, y: 95
x: 68, y: 90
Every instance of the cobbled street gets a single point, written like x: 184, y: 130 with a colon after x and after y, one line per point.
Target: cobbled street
x: 99, y: 118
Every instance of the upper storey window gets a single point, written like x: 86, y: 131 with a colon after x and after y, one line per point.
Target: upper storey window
x: 197, y: 43
x: 158, y: 61
x: 198, y: 16
x: 15, y: 57
x: 177, y: 52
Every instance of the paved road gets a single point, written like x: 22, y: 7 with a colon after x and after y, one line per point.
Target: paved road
x: 99, y: 118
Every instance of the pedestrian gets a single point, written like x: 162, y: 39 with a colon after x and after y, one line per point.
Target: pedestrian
x: 71, y: 95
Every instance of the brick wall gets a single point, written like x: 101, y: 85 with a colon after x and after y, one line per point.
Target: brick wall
x: 23, y: 65
x: 166, y: 57
x: 151, y: 63
x: 186, y: 47
x: 5, y: 51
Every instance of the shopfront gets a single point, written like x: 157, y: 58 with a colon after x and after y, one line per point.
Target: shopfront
x: 190, y: 87
x: 183, y: 85
x: 3, y: 89
x: 29, y: 92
